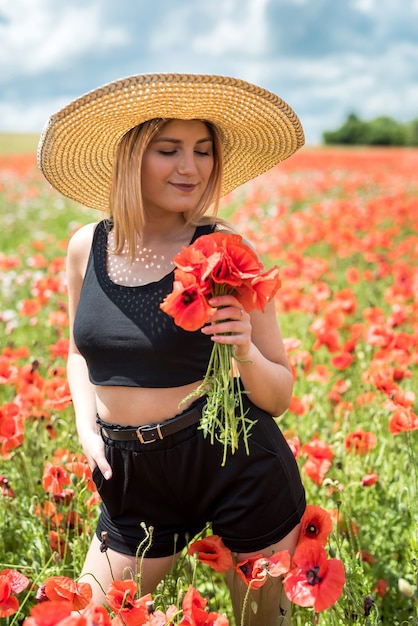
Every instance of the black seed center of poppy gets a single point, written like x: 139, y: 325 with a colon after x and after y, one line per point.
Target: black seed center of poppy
x: 312, y: 529
x: 312, y: 576
x: 188, y: 298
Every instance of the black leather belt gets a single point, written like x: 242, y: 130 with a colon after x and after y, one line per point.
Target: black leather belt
x: 155, y: 432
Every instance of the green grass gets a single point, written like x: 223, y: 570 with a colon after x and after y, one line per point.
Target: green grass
x: 18, y: 143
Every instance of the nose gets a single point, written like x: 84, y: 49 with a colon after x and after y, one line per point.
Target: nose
x: 187, y: 163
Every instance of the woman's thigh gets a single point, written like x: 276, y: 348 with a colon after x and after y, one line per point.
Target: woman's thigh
x: 100, y: 568
x: 268, y: 605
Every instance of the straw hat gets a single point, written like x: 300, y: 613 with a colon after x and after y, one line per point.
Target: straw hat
x: 77, y: 146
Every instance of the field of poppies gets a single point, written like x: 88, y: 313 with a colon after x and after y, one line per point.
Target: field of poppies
x: 341, y: 225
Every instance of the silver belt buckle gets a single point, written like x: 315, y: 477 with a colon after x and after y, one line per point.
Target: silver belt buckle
x: 141, y: 438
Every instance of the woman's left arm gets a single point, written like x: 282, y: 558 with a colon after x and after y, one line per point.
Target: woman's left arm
x: 259, y: 350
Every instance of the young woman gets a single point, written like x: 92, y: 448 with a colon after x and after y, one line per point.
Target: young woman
x: 157, y: 152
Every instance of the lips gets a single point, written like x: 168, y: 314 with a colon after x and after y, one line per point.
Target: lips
x: 186, y: 187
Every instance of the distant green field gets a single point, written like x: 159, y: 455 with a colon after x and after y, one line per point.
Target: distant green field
x: 18, y: 143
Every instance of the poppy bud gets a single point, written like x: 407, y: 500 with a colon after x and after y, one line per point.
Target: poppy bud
x: 368, y: 605
x: 104, y: 545
x: 406, y: 588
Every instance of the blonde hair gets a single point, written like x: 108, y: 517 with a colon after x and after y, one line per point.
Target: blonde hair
x: 127, y: 209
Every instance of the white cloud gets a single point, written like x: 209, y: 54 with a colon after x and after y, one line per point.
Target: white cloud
x: 240, y: 27
x: 229, y: 27
x: 324, y: 90
x: 28, y: 117
x: 365, y: 6
x: 52, y: 35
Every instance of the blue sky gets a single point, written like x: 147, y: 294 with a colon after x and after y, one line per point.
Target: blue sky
x: 326, y: 58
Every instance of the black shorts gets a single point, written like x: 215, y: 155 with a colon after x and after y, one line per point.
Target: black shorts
x: 177, y: 485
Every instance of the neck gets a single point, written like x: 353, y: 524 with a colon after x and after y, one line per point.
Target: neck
x: 167, y: 230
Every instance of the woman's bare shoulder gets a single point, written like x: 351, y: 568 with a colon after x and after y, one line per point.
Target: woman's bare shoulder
x: 79, y: 247
x: 82, y: 238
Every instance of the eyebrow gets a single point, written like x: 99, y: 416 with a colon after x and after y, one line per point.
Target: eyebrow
x: 178, y: 141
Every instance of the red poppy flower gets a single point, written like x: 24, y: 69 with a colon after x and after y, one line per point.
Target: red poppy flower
x: 352, y: 275
x: 325, y: 336
x: 255, y: 570
x: 294, y: 445
x: 338, y: 389
x: 58, y: 588
x: 11, y: 581
x: 403, y: 420
x: 193, y: 606
x: 58, y: 543
x: 342, y: 360
x: 121, y: 599
x: 58, y: 318
x: 369, y: 479
x: 48, y: 613
x: 360, y: 441
x: 279, y: 564
x: 316, y: 524
x: 9, y: 604
x: 194, y: 613
x: 54, y: 478
x: 400, y: 398
x: 302, y: 359
x: 346, y: 299
x: 96, y: 616
x: 265, y: 286
x: 80, y: 468
x: 379, y: 335
x: 212, y: 551
x: 30, y: 308
x: 316, y: 469
x: 381, y: 377
x: 217, y: 259
x: 187, y: 303
x: 381, y: 587
x: 11, y: 428
x: 121, y: 594
x: 244, y: 570
x: 320, y: 456
x: 8, y: 372
x: 238, y: 262
x: 200, y: 261
x: 368, y: 558
x: 60, y: 348
x: 365, y: 398
x: 57, y: 393
x: 314, y: 580
x: 18, y: 582
x: 318, y: 449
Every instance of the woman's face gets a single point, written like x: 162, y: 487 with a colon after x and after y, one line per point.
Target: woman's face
x: 176, y: 167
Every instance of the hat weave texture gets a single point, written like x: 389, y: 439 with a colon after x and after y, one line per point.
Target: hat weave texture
x: 77, y: 146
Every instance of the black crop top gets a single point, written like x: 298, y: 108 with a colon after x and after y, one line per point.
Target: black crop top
x: 124, y: 336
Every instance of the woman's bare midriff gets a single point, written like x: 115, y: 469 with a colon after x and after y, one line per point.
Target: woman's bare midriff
x: 137, y: 406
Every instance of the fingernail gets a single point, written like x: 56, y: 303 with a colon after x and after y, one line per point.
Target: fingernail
x: 107, y: 474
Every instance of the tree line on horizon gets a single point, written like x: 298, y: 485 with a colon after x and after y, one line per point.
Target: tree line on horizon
x: 381, y: 131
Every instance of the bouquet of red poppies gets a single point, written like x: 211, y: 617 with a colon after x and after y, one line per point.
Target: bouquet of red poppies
x: 217, y: 264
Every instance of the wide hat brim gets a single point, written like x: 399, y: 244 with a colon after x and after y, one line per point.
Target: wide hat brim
x: 77, y: 146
